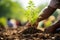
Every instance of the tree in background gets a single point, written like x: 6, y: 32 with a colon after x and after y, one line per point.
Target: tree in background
x: 10, y: 9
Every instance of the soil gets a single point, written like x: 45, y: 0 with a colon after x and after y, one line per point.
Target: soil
x: 27, y: 34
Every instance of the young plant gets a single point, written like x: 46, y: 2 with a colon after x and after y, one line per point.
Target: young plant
x: 31, y: 12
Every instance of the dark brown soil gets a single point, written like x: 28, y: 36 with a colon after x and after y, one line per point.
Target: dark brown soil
x: 27, y: 34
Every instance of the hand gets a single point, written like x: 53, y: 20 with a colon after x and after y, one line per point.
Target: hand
x: 49, y: 29
x: 37, y: 21
x: 28, y: 24
x: 35, y: 24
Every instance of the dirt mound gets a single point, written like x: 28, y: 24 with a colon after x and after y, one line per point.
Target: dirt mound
x: 31, y: 30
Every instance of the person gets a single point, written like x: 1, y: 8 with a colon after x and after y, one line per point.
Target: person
x: 52, y: 7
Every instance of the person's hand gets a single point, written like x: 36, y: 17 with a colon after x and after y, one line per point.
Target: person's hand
x: 50, y: 29
x: 31, y: 25
x: 35, y: 24
x: 37, y: 21
x: 28, y: 24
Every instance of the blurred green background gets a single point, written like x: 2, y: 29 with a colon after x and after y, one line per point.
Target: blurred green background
x: 10, y: 9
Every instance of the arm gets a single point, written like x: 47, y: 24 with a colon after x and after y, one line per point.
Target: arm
x: 53, y: 28
x: 46, y: 13
x: 54, y: 4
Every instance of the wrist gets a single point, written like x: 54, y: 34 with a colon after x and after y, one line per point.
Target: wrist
x: 39, y: 19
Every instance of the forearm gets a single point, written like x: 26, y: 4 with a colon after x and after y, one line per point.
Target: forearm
x: 56, y: 25
x: 53, y: 28
x: 46, y: 13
